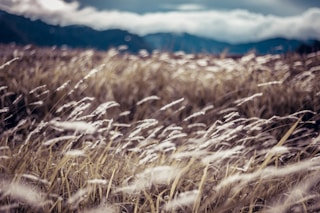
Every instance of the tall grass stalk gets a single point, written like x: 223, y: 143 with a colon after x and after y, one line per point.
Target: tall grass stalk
x: 90, y: 131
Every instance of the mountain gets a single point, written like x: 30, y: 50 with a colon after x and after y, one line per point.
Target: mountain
x: 194, y: 44
x: 273, y: 46
x: 312, y: 46
x: 24, y: 31
x: 186, y: 42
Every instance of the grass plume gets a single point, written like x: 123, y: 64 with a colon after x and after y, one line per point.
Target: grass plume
x: 90, y: 131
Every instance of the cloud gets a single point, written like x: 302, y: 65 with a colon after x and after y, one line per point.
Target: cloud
x: 276, y: 7
x: 184, y: 7
x: 234, y: 26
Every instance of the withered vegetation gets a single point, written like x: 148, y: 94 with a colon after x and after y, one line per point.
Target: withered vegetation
x: 90, y: 131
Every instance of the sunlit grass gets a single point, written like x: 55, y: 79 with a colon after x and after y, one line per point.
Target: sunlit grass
x: 103, y: 132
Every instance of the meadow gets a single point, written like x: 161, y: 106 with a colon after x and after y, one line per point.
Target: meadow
x: 92, y: 131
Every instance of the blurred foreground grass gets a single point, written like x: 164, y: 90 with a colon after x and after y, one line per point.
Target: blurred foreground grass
x: 107, y: 132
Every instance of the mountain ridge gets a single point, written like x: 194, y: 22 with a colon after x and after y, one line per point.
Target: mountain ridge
x: 21, y: 30
x: 190, y: 44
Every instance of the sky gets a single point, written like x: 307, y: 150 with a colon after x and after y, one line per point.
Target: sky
x: 234, y: 21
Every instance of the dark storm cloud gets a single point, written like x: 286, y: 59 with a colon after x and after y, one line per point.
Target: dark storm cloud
x: 195, y: 17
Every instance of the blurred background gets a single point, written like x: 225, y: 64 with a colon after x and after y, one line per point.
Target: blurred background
x: 193, y: 26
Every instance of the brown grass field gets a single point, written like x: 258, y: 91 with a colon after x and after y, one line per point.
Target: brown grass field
x: 89, y: 131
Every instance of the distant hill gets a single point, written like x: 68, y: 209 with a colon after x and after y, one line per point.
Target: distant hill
x: 185, y: 42
x: 194, y: 44
x: 310, y: 47
x: 273, y: 46
x: 24, y: 31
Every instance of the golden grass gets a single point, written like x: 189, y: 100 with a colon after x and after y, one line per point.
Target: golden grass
x: 90, y: 131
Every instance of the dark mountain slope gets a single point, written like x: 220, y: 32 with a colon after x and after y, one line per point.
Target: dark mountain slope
x: 24, y: 31
x: 194, y: 44
x: 186, y: 42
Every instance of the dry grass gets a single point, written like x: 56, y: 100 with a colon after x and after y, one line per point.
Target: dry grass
x: 104, y: 132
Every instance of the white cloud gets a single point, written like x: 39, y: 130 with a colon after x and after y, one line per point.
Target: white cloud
x: 184, y: 7
x: 232, y: 26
